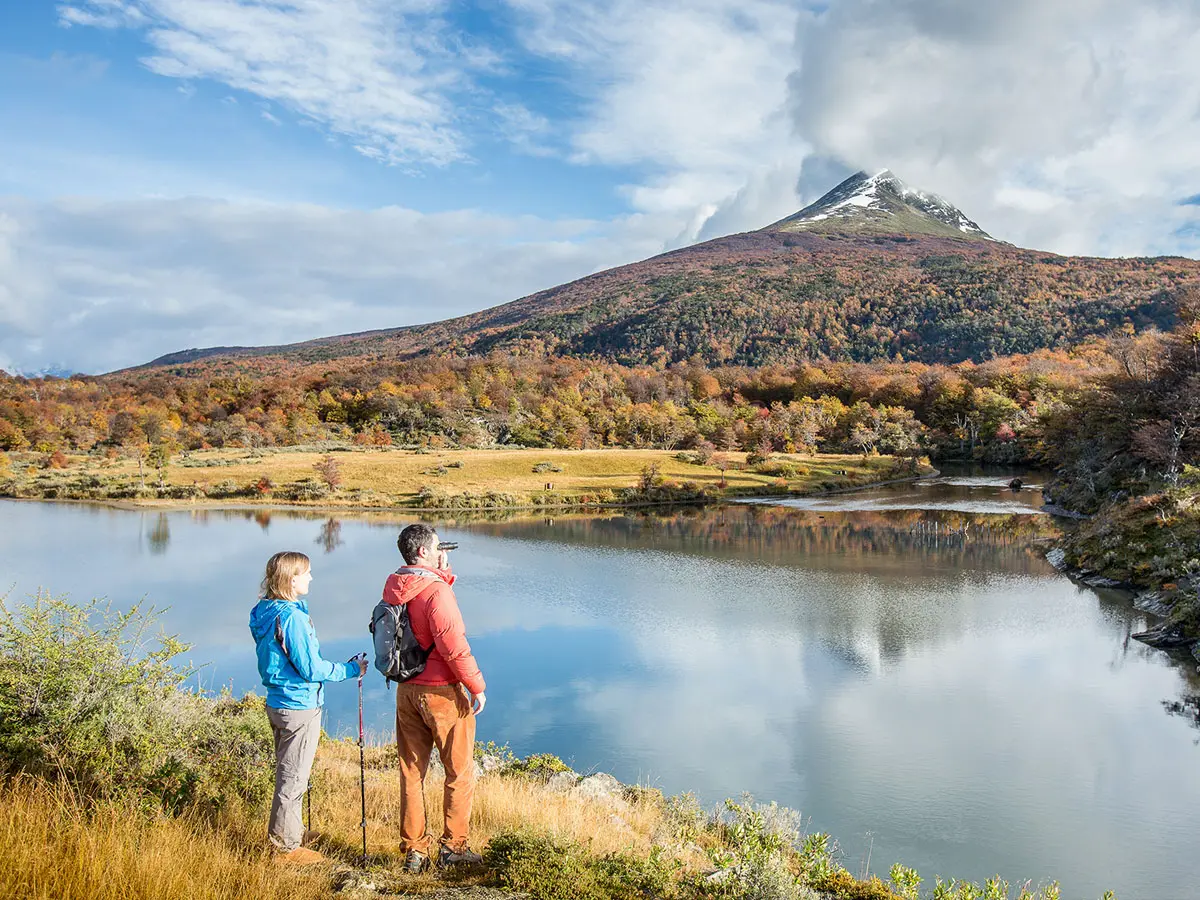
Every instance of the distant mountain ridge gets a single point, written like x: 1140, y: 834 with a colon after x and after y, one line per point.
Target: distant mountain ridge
x: 874, y: 269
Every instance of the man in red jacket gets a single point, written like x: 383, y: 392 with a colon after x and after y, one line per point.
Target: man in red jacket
x: 436, y: 708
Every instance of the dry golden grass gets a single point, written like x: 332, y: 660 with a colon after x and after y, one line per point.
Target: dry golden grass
x: 501, y: 804
x: 52, y: 846
x: 400, y: 474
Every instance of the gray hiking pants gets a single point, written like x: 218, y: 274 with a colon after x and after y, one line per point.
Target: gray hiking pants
x: 296, y: 734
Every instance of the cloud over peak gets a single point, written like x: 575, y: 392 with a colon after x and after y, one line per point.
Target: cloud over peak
x: 1082, y: 111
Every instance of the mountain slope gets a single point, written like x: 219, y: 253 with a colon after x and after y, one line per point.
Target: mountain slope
x: 872, y: 270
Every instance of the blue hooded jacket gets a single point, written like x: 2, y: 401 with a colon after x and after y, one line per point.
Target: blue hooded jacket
x: 289, y: 655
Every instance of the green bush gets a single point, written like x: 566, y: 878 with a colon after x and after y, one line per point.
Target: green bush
x: 228, y: 488
x: 181, y: 492
x: 88, y: 695
x: 542, y: 765
x: 780, y: 469
x: 306, y: 489
x: 547, y: 869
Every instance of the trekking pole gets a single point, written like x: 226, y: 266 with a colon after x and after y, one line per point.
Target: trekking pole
x: 362, y: 771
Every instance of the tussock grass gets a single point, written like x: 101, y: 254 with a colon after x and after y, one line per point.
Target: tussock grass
x: 57, y: 847
x: 501, y: 804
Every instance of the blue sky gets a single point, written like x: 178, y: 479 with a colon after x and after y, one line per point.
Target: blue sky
x: 179, y: 173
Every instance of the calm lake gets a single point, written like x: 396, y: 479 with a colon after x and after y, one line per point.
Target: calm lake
x: 901, y: 665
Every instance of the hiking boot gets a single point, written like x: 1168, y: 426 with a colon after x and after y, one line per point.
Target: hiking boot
x: 415, y: 862
x: 301, y: 856
x: 462, y: 857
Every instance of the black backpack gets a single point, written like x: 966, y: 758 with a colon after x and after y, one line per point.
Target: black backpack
x: 398, y: 654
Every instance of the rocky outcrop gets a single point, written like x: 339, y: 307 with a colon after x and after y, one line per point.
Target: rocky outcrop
x: 1166, y: 636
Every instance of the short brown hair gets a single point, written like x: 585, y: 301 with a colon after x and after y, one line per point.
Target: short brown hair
x: 281, y: 569
x: 413, y: 538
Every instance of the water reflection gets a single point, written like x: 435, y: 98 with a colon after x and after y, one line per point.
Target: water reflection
x: 159, y: 536
x: 878, y: 541
x: 1188, y: 708
x: 330, y: 537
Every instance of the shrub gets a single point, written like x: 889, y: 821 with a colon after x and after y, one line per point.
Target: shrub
x: 306, y: 489
x: 649, y: 479
x: 547, y: 467
x: 539, y: 764
x: 227, y: 488
x: 778, y: 469
x: 181, y: 492
x: 329, y: 470
x: 703, y: 453
x: 88, y: 697
x: 548, y: 869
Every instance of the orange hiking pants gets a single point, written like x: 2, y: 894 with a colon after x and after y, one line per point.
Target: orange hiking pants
x: 429, y: 716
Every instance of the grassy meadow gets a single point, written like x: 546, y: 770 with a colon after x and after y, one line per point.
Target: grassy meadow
x: 444, y: 479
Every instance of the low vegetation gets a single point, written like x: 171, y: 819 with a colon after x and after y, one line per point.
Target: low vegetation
x: 74, y: 824
x: 472, y: 479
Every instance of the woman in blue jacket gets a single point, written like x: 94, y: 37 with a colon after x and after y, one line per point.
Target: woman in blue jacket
x: 293, y: 672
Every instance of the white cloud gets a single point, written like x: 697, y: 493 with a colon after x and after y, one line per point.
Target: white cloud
x: 527, y: 131
x: 380, y: 72
x: 1064, y: 124
x: 93, y: 285
x: 693, y: 93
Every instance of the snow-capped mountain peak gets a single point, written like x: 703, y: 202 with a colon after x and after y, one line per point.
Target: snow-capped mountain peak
x: 881, y: 204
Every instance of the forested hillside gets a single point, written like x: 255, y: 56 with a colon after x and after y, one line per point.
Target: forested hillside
x: 967, y: 410
x: 783, y: 298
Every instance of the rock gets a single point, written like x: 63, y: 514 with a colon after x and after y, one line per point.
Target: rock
x: 1016, y: 484
x: 1052, y: 510
x: 353, y: 881
x: 490, y: 762
x: 600, y: 786
x: 1154, y: 602
x: 1057, y: 558
x: 561, y: 782
x: 1164, y: 637
x: 1091, y: 579
x: 487, y: 763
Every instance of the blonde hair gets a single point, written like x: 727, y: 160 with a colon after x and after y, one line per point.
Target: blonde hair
x: 281, y: 569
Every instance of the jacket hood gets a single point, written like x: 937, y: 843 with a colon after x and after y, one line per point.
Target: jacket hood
x: 409, y: 581
x: 265, y: 612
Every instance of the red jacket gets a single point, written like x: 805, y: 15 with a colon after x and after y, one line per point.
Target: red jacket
x: 436, y: 623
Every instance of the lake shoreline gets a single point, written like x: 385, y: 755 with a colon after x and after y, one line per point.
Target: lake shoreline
x: 657, y: 498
